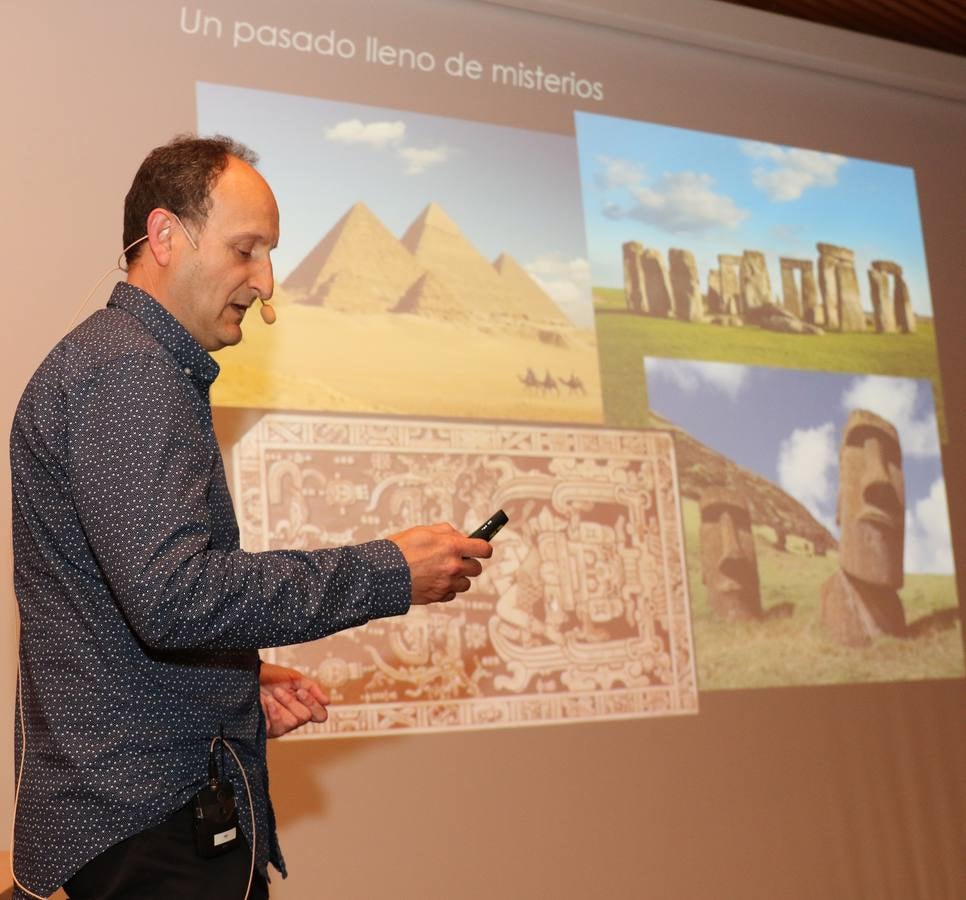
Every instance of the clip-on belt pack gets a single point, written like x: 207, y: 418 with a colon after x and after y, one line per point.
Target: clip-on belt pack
x: 215, y: 814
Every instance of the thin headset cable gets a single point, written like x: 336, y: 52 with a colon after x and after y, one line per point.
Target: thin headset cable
x: 120, y: 267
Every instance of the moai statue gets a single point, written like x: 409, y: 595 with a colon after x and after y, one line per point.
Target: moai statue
x: 840, y: 288
x: 861, y: 601
x: 634, y: 295
x: 657, y: 287
x: 729, y: 566
x: 729, y: 267
x: 685, y: 286
x: 754, y: 283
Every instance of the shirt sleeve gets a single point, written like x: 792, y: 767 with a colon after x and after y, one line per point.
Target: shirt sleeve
x: 141, y: 459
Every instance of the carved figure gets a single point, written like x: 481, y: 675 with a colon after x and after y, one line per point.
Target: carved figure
x: 729, y: 565
x: 860, y: 601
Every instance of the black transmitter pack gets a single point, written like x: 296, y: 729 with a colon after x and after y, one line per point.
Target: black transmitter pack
x: 215, y: 815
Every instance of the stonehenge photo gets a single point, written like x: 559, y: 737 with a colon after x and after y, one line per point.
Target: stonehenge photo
x: 816, y: 295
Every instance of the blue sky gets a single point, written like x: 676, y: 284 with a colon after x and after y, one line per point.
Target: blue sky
x: 786, y: 425
x: 507, y: 189
x: 708, y: 193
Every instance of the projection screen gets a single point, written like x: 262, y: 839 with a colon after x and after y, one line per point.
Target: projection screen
x: 690, y: 317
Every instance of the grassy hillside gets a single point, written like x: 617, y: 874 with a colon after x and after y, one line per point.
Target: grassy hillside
x: 625, y: 339
x: 792, y: 650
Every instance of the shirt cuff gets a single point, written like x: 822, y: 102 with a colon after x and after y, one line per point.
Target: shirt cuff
x: 391, y: 580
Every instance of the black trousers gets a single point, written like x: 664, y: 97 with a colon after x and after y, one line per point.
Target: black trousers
x: 161, y: 864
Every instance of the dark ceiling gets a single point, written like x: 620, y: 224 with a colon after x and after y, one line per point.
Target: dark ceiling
x: 938, y: 24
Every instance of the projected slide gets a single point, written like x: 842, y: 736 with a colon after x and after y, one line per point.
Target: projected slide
x: 427, y: 266
x: 765, y: 336
x: 581, y: 614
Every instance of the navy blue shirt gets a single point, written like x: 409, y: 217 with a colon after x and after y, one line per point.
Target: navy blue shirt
x: 140, y: 615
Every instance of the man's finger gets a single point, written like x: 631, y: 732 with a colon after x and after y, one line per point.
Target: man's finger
x: 279, y: 719
x: 475, y: 547
x: 315, y: 706
x: 286, y: 697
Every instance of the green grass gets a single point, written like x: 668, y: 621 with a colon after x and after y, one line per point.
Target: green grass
x: 793, y: 650
x: 625, y: 339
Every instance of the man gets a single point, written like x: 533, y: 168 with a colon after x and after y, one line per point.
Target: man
x: 140, y: 615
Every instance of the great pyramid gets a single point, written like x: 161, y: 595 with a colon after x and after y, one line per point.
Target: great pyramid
x: 438, y: 244
x: 429, y: 296
x: 359, y: 266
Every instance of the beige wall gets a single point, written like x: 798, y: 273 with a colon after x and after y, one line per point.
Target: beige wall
x: 796, y: 793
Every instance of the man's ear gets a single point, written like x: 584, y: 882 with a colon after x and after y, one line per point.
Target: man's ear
x: 160, y: 231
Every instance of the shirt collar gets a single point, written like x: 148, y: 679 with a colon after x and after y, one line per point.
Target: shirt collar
x: 192, y: 358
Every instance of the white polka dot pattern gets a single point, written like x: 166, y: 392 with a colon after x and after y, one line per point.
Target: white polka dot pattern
x: 140, y: 615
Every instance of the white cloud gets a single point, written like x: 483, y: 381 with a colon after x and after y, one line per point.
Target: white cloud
x: 619, y: 173
x: 895, y: 400
x: 373, y: 134
x: 419, y: 159
x: 682, y: 203
x: 807, y: 461
x: 567, y: 281
x: 789, y: 172
x: 928, y: 542
x: 690, y: 376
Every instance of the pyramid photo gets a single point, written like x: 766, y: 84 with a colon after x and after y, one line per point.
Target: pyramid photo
x: 369, y: 322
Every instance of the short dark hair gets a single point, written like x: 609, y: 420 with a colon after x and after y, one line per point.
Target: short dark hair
x: 178, y: 177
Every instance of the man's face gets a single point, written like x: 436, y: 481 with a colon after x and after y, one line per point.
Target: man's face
x: 871, y: 505
x: 211, y: 288
x: 729, y: 566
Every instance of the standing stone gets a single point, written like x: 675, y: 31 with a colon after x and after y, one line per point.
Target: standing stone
x: 840, y: 288
x: 634, y: 295
x: 851, y: 315
x: 729, y: 267
x: 812, y: 311
x: 883, y: 308
x: 657, y: 288
x: 714, y: 303
x: 685, y: 286
x: 754, y: 283
x: 828, y: 286
x: 790, y: 294
x: 905, y: 314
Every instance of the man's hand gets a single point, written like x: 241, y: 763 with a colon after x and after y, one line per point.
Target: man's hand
x: 441, y: 560
x: 289, y: 699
